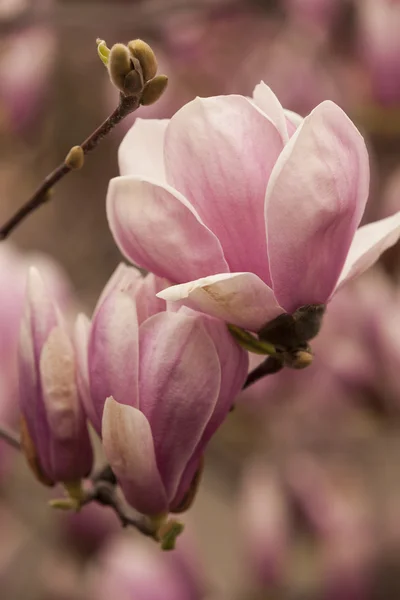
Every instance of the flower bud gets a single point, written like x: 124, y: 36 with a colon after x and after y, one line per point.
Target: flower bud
x: 75, y: 158
x: 125, y: 71
x: 54, y: 434
x: 156, y: 391
x: 146, y: 57
x: 153, y: 90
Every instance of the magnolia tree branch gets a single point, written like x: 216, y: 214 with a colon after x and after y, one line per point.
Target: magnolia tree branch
x: 127, y: 105
x: 104, y: 491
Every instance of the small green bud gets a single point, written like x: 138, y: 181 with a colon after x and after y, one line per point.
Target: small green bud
x: 145, y: 55
x: 119, y: 65
x: 153, y: 90
x: 75, y: 158
x: 103, y: 51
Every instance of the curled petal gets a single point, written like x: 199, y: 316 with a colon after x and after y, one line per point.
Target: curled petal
x: 238, y: 298
x: 370, y: 241
x: 314, y: 203
x: 142, y: 150
x: 129, y: 448
x: 156, y: 228
x: 179, y: 385
x: 219, y: 153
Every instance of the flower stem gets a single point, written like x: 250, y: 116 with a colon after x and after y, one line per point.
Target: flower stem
x: 126, y: 106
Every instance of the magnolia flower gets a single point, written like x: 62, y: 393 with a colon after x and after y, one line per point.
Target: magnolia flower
x: 156, y: 391
x: 379, y: 24
x: 130, y: 569
x: 54, y: 434
x: 250, y: 216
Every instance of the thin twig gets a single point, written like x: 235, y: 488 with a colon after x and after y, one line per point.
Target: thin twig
x: 127, y: 105
x: 10, y: 437
x: 271, y: 365
x: 104, y: 493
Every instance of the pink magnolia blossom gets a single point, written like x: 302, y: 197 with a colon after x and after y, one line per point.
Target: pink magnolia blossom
x: 156, y: 391
x: 56, y: 439
x: 129, y: 569
x: 249, y: 216
x: 379, y: 25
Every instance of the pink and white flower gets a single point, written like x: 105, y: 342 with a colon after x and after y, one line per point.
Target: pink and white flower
x: 54, y: 436
x: 248, y: 215
x: 156, y: 390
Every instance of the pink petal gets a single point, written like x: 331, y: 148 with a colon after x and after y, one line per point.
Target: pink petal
x: 238, y: 298
x: 113, y: 354
x: 81, y: 343
x: 179, y: 386
x: 147, y: 303
x: 156, y: 228
x: 43, y: 312
x: 124, y: 278
x: 142, y: 150
x: 129, y: 448
x: 369, y: 242
x: 69, y: 445
x: 40, y: 315
x: 234, y: 362
x: 219, y: 153
x: 266, y: 101
x: 293, y: 121
x: 314, y: 203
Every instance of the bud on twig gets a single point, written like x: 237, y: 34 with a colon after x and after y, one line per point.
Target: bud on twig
x: 154, y: 89
x: 119, y: 66
x: 75, y: 158
x: 146, y: 57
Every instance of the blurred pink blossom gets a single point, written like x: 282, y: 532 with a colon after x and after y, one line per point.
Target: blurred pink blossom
x: 379, y: 26
x: 130, y: 569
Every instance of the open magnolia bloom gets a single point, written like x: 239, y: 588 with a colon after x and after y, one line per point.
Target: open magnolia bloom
x: 249, y: 215
x: 156, y: 387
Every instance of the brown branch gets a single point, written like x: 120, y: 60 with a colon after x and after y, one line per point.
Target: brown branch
x: 104, y: 493
x: 127, y: 105
x: 271, y: 365
x: 10, y: 437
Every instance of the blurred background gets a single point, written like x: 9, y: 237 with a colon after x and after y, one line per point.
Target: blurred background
x: 301, y: 492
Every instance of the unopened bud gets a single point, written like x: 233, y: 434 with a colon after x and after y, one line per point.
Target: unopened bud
x: 119, y: 65
x: 145, y: 55
x: 153, y: 90
x: 298, y: 359
x: 30, y: 453
x: 133, y: 83
x: 75, y: 158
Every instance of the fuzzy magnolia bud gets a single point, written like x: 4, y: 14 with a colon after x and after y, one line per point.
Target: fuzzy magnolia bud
x: 125, y: 72
x: 75, y: 158
x: 153, y: 90
x: 146, y: 57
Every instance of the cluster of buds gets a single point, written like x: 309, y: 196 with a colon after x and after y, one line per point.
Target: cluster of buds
x: 133, y: 70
